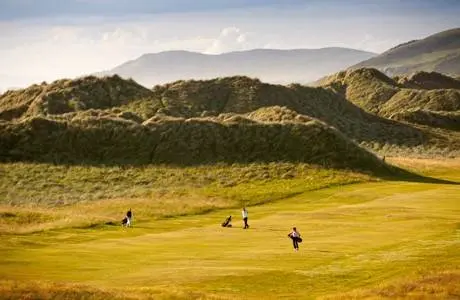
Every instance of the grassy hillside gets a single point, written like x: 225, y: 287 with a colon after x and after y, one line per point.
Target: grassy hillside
x: 367, y: 88
x: 447, y: 120
x: 111, y: 120
x: 439, y: 53
x: 410, y: 99
x: 241, y: 94
x: 228, y: 138
x: 429, y: 81
x: 35, y: 197
x: 433, y: 100
x: 63, y: 96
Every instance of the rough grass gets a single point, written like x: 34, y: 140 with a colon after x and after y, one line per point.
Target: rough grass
x: 64, y: 96
x: 379, y: 94
x: 78, y: 196
x: 429, y: 81
x: 185, y: 122
x: 440, y: 119
x: 434, y: 113
x: 109, y: 141
x: 112, y: 100
x: 432, y: 100
x: 367, y: 88
x: 434, y: 285
x: 370, y: 239
x: 243, y: 95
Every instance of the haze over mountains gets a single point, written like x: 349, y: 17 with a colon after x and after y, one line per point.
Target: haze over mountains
x: 236, y: 118
x: 439, y: 52
x: 269, y: 65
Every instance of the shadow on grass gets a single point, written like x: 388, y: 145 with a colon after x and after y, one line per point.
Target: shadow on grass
x: 399, y: 174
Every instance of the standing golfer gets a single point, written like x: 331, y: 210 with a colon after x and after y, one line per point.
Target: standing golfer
x: 129, y: 217
x: 295, y: 237
x: 244, y: 212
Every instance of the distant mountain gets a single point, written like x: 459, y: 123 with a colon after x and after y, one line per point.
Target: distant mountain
x: 439, y: 53
x: 275, y: 66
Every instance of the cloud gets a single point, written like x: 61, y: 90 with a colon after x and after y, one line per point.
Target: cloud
x: 231, y: 39
x: 48, y: 48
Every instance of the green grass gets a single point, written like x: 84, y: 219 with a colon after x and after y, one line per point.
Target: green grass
x: 370, y: 239
x: 34, y: 197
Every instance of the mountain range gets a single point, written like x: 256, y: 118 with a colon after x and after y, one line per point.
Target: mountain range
x: 274, y: 66
x: 350, y: 115
x: 436, y: 53
x: 439, y: 52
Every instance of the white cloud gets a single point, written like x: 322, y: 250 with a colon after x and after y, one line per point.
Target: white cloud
x: 230, y: 39
x: 48, y: 49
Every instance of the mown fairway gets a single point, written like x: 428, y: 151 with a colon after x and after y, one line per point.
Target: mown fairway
x: 373, y: 239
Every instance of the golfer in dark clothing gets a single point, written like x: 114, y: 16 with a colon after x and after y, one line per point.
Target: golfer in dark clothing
x: 129, y: 216
x: 296, y: 239
x: 244, y: 212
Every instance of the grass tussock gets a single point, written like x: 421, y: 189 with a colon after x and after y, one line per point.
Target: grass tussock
x: 434, y: 112
x: 367, y: 88
x: 52, y: 291
x: 41, y: 290
x: 64, y: 96
x: 109, y: 141
x: 381, y: 95
x: 432, y: 100
x: 439, y: 119
x: 429, y: 81
x: 436, y: 285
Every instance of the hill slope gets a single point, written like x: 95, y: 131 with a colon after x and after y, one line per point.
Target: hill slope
x: 276, y: 66
x: 429, y: 81
x: 208, y: 103
x: 228, y: 138
x: 65, y: 95
x: 243, y: 95
x: 383, y: 96
x: 439, y: 52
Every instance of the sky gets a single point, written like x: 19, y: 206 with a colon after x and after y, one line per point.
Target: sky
x: 44, y: 40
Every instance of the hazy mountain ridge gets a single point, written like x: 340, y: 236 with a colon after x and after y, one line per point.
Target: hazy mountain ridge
x: 269, y: 65
x: 439, y: 52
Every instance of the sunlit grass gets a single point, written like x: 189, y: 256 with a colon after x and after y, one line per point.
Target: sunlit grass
x: 372, y: 239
